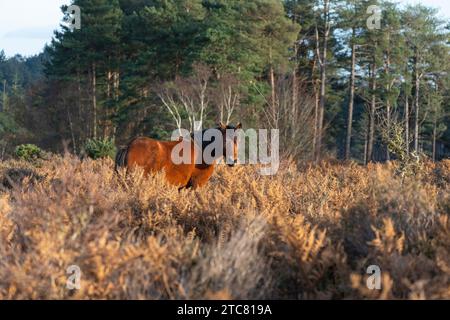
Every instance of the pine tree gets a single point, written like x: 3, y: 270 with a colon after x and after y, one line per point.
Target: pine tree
x: 92, y: 53
x: 421, y: 32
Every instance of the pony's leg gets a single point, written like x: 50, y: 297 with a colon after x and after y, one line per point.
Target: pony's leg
x: 201, y: 177
x: 188, y: 186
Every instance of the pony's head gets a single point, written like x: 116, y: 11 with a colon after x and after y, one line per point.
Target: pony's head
x: 230, y: 141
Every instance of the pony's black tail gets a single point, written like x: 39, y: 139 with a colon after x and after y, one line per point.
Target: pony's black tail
x: 121, y: 158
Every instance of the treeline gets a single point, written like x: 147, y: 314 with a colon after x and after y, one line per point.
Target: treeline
x: 313, y: 69
x: 20, y: 81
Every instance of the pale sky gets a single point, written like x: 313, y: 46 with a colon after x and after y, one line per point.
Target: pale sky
x: 27, y: 25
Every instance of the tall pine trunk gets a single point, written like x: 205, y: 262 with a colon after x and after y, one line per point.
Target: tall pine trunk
x: 316, y: 118
x: 294, y: 92
x: 116, y: 80
x: 407, y: 113
x: 388, y: 101
x: 273, y: 90
x: 72, y: 133
x: 388, y: 124
x: 107, y: 126
x: 416, y: 104
x: 407, y: 122
x: 315, y: 85
x: 323, y: 81
x: 94, y: 100
x: 351, y: 101
x: 294, y: 101
x: 373, y: 101
x: 434, y: 137
x: 273, y: 98
x: 5, y: 107
x: 366, y: 144
x: 81, y: 113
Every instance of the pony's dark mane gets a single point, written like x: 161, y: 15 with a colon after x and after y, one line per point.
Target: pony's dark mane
x: 205, y: 144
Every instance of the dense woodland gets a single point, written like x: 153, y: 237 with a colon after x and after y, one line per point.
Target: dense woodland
x: 311, y: 68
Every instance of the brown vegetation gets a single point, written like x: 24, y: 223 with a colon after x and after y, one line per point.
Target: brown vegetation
x: 306, y: 233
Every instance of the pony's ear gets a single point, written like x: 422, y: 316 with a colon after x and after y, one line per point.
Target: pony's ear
x: 222, y: 126
x: 239, y: 126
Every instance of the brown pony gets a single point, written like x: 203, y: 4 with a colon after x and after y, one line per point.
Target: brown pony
x: 156, y: 156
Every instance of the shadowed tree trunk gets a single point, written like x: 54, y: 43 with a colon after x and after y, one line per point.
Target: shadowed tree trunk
x: 388, y: 100
x: 4, y: 106
x: 351, y: 102
x: 323, y: 79
x: 94, y: 100
x: 294, y: 90
x: 434, y: 137
x: 407, y: 93
x: 372, y: 111
x: 416, y: 104
x: 272, y: 85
